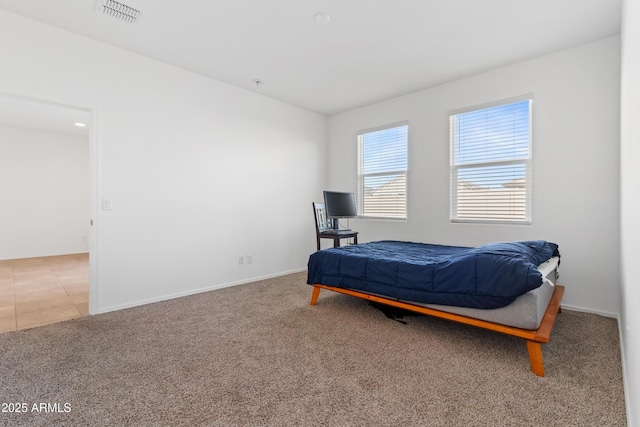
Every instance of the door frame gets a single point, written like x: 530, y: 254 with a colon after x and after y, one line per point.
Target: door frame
x: 94, y: 176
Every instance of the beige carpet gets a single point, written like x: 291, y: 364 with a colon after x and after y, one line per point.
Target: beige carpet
x: 259, y: 355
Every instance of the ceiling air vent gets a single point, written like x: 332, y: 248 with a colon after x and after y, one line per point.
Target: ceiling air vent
x: 120, y: 11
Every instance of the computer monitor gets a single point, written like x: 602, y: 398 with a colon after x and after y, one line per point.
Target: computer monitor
x: 340, y: 205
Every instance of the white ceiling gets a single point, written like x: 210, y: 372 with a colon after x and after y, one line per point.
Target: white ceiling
x: 24, y: 113
x: 370, y: 50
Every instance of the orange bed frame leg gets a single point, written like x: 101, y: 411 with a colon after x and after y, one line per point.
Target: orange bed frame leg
x: 314, y: 295
x: 535, y: 357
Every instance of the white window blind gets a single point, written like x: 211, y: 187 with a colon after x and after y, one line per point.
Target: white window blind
x: 491, y: 164
x: 382, y: 172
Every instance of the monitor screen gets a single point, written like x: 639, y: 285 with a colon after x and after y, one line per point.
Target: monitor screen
x: 340, y: 205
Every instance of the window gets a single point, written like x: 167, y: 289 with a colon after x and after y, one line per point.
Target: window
x: 382, y: 172
x: 491, y: 163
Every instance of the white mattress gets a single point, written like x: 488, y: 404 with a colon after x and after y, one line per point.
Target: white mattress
x: 525, y: 312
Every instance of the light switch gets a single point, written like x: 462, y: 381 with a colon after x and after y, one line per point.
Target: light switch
x: 107, y: 205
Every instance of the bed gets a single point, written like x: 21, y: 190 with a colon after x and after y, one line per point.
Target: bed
x: 506, y: 287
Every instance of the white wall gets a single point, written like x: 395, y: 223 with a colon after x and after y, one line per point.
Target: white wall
x: 199, y: 172
x: 630, y: 206
x: 44, y: 188
x: 575, y: 163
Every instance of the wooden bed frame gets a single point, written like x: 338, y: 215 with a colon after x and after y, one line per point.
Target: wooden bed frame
x: 534, y: 338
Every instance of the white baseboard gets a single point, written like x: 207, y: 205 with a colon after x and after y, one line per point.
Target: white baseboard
x: 589, y: 310
x: 195, y: 291
x: 625, y: 378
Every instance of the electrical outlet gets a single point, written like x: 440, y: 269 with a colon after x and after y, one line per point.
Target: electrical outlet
x: 240, y: 260
x: 249, y: 258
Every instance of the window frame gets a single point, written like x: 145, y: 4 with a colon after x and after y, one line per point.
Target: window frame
x: 360, y: 199
x: 526, y: 162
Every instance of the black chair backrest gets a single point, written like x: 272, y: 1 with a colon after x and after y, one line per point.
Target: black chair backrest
x: 322, y: 222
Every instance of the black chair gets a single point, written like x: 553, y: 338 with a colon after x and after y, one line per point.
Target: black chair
x: 325, y: 230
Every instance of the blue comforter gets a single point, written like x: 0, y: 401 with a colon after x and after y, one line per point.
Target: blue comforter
x: 488, y: 276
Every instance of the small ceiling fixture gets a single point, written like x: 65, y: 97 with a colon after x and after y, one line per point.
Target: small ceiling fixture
x: 120, y: 11
x: 321, y: 18
x: 257, y: 82
x: 80, y: 125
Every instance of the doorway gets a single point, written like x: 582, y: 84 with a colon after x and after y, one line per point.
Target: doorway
x: 47, y: 155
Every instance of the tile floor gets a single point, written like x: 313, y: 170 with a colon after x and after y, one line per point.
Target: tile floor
x: 39, y: 291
